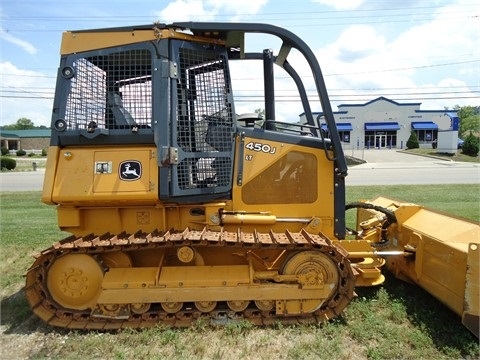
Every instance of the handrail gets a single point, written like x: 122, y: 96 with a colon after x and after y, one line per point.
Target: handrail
x: 322, y: 135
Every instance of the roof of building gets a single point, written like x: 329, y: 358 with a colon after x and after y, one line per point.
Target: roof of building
x: 33, y: 133
x: 380, y: 99
x: 343, y: 108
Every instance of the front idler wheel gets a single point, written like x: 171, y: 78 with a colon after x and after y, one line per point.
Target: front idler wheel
x: 75, y: 281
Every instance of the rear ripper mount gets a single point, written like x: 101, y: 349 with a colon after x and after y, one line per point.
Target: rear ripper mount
x: 91, y: 283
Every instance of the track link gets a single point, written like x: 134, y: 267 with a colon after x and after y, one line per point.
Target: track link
x: 53, y: 314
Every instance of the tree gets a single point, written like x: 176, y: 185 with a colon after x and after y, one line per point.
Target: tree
x: 471, y: 145
x: 260, y: 112
x: 469, y: 119
x: 7, y: 163
x: 412, y: 142
x: 21, y: 124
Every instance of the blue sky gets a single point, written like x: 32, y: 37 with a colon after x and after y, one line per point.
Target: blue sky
x: 407, y: 51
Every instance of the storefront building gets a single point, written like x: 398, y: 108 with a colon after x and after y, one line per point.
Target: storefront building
x: 34, y: 140
x: 384, y: 123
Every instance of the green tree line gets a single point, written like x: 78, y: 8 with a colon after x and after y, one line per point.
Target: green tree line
x: 469, y: 120
x: 23, y: 124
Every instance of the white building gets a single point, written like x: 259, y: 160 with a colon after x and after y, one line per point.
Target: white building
x: 384, y: 123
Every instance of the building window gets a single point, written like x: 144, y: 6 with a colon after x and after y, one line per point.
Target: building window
x: 426, y: 136
x: 343, y: 129
x: 345, y: 136
x: 426, y: 131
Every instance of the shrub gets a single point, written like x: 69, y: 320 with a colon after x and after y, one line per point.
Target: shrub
x: 32, y: 154
x: 44, y: 152
x: 470, y: 145
x: 21, y: 152
x: 412, y: 142
x: 5, y: 151
x: 7, y: 163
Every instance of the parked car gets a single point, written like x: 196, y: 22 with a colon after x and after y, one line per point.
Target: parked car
x: 459, y: 143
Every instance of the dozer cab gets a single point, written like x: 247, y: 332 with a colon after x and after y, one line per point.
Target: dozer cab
x: 180, y: 209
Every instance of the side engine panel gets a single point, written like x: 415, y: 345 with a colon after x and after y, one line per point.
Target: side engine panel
x: 104, y: 175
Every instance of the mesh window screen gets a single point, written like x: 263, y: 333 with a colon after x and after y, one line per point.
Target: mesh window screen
x: 204, y: 121
x: 112, y: 91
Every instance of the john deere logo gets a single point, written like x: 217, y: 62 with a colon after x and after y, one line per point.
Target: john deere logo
x: 130, y: 170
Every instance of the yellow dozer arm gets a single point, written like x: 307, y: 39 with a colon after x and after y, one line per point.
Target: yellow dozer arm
x: 440, y: 253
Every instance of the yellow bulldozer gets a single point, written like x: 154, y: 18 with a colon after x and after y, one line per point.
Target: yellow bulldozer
x: 180, y: 209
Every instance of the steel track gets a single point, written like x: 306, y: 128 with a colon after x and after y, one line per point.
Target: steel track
x: 53, y: 314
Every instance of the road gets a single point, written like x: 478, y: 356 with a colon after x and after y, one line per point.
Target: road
x: 383, y: 167
x: 392, y: 167
x: 414, y: 173
x: 22, y: 181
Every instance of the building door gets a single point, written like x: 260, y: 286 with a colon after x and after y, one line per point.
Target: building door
x: 380, y: 141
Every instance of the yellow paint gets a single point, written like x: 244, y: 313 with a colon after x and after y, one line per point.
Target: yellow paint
x: 441, y: 255
x: 287, y: 180
x: 77, y: 180
x: 74, y: 42
x: 50, y: 171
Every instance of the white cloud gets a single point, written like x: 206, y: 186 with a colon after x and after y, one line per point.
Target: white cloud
x: 341, y: 4
x: 359, y: 41
x: 425, y: 58
x: 21, y: 87
x: 197, y: 10
x: 185, y: 10
x: 25, y: 45
x: 245, y: 7
x: 440, y: 102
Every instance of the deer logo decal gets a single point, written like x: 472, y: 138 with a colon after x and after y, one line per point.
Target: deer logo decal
x: 130, y: 170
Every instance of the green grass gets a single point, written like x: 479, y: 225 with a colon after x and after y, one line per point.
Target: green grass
x: 457, y: 200
x: 396, y: 320
x: 25, y: 163
x: 458, y: 156
x: 26, y: 227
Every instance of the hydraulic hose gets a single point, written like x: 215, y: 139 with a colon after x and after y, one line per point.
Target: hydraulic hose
x: 390, y: 217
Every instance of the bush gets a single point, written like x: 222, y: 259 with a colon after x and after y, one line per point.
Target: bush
x: 7, y: 163
x: 44, y: 152
x: 32, y: 154
x: 21, y: 152
x: 470, y: 145
x: 412, y: 142
x: 5, y: 151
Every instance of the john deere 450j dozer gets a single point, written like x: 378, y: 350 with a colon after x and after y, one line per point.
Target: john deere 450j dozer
x: 179, y: 209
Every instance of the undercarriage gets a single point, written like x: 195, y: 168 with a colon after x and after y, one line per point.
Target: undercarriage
x: 176, y: 278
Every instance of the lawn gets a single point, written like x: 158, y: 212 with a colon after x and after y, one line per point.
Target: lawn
x: 458, y: 156
x: 25, y: 163
x: 396, y: 320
